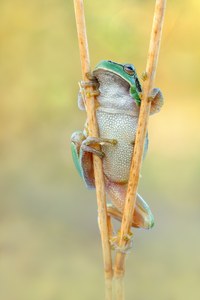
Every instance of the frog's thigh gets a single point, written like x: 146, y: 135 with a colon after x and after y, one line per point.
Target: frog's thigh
x: 142, y: 217
x: 82, y: 159
x: 76, y: 140
x: 87, y: 169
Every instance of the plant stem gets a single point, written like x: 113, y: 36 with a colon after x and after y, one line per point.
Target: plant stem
x: 140, y: 135
x: 93, y: 131
x: 119, y: 288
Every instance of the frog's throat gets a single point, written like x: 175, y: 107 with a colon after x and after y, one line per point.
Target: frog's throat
x: 110, y: 110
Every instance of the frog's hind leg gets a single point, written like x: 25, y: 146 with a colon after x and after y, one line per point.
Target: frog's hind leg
x: 76, y: 140
x: 82, y: 150
x: 142, y: 216
x: 82, y: 159
x: 89, y: 144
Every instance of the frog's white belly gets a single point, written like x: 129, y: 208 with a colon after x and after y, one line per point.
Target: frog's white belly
x: 122, y: 127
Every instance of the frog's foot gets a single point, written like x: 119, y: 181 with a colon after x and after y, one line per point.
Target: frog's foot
x: 142, y: 216
x: 92, y: 82
x: 156, y: 99
x: 90, y: 143
x: 84, y: 84
x: 83, y: 94
x: 115, y: 240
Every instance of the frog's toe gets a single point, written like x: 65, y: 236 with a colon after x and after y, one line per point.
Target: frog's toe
x: 95, y: 91
x: 148, y: 221
x: 92, y: 81
x: 85, y: 84
x: 77, y: 138
x: 92, y: 150
x: 90, y: 143
x: 99, y: 141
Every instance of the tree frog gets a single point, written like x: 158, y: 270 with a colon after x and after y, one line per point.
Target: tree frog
x: 118, y: 94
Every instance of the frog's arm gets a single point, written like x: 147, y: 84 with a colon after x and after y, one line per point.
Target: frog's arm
x: 157, y: 100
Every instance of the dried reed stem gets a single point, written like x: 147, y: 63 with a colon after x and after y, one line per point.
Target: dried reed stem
x: 140, y: 136
x: 119, y: 288
x: 93, y: 131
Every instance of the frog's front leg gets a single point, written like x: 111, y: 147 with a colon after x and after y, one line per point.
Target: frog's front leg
x: 156, y: 99
x: 82, y: 148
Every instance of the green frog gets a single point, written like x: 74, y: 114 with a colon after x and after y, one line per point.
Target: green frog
x: 119, y: 95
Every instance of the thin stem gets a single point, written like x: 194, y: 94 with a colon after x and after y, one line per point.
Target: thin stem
x: 141, y: 134
x: 93, y: 131
x: 119, y: 288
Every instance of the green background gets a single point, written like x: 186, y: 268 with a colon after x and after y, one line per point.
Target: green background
x: 49, y: 242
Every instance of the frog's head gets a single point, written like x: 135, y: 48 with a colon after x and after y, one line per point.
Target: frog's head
x: 126, y: 72
x: 125, y: 75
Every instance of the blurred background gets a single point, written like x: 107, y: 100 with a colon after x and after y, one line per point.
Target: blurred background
x: 49, y: 241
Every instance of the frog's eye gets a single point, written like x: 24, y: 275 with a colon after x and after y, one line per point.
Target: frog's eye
x: 129, y: 69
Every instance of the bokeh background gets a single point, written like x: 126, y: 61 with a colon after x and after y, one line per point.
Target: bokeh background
x: 49, y: 242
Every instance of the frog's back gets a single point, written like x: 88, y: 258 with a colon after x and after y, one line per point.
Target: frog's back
x: 120, y: 126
